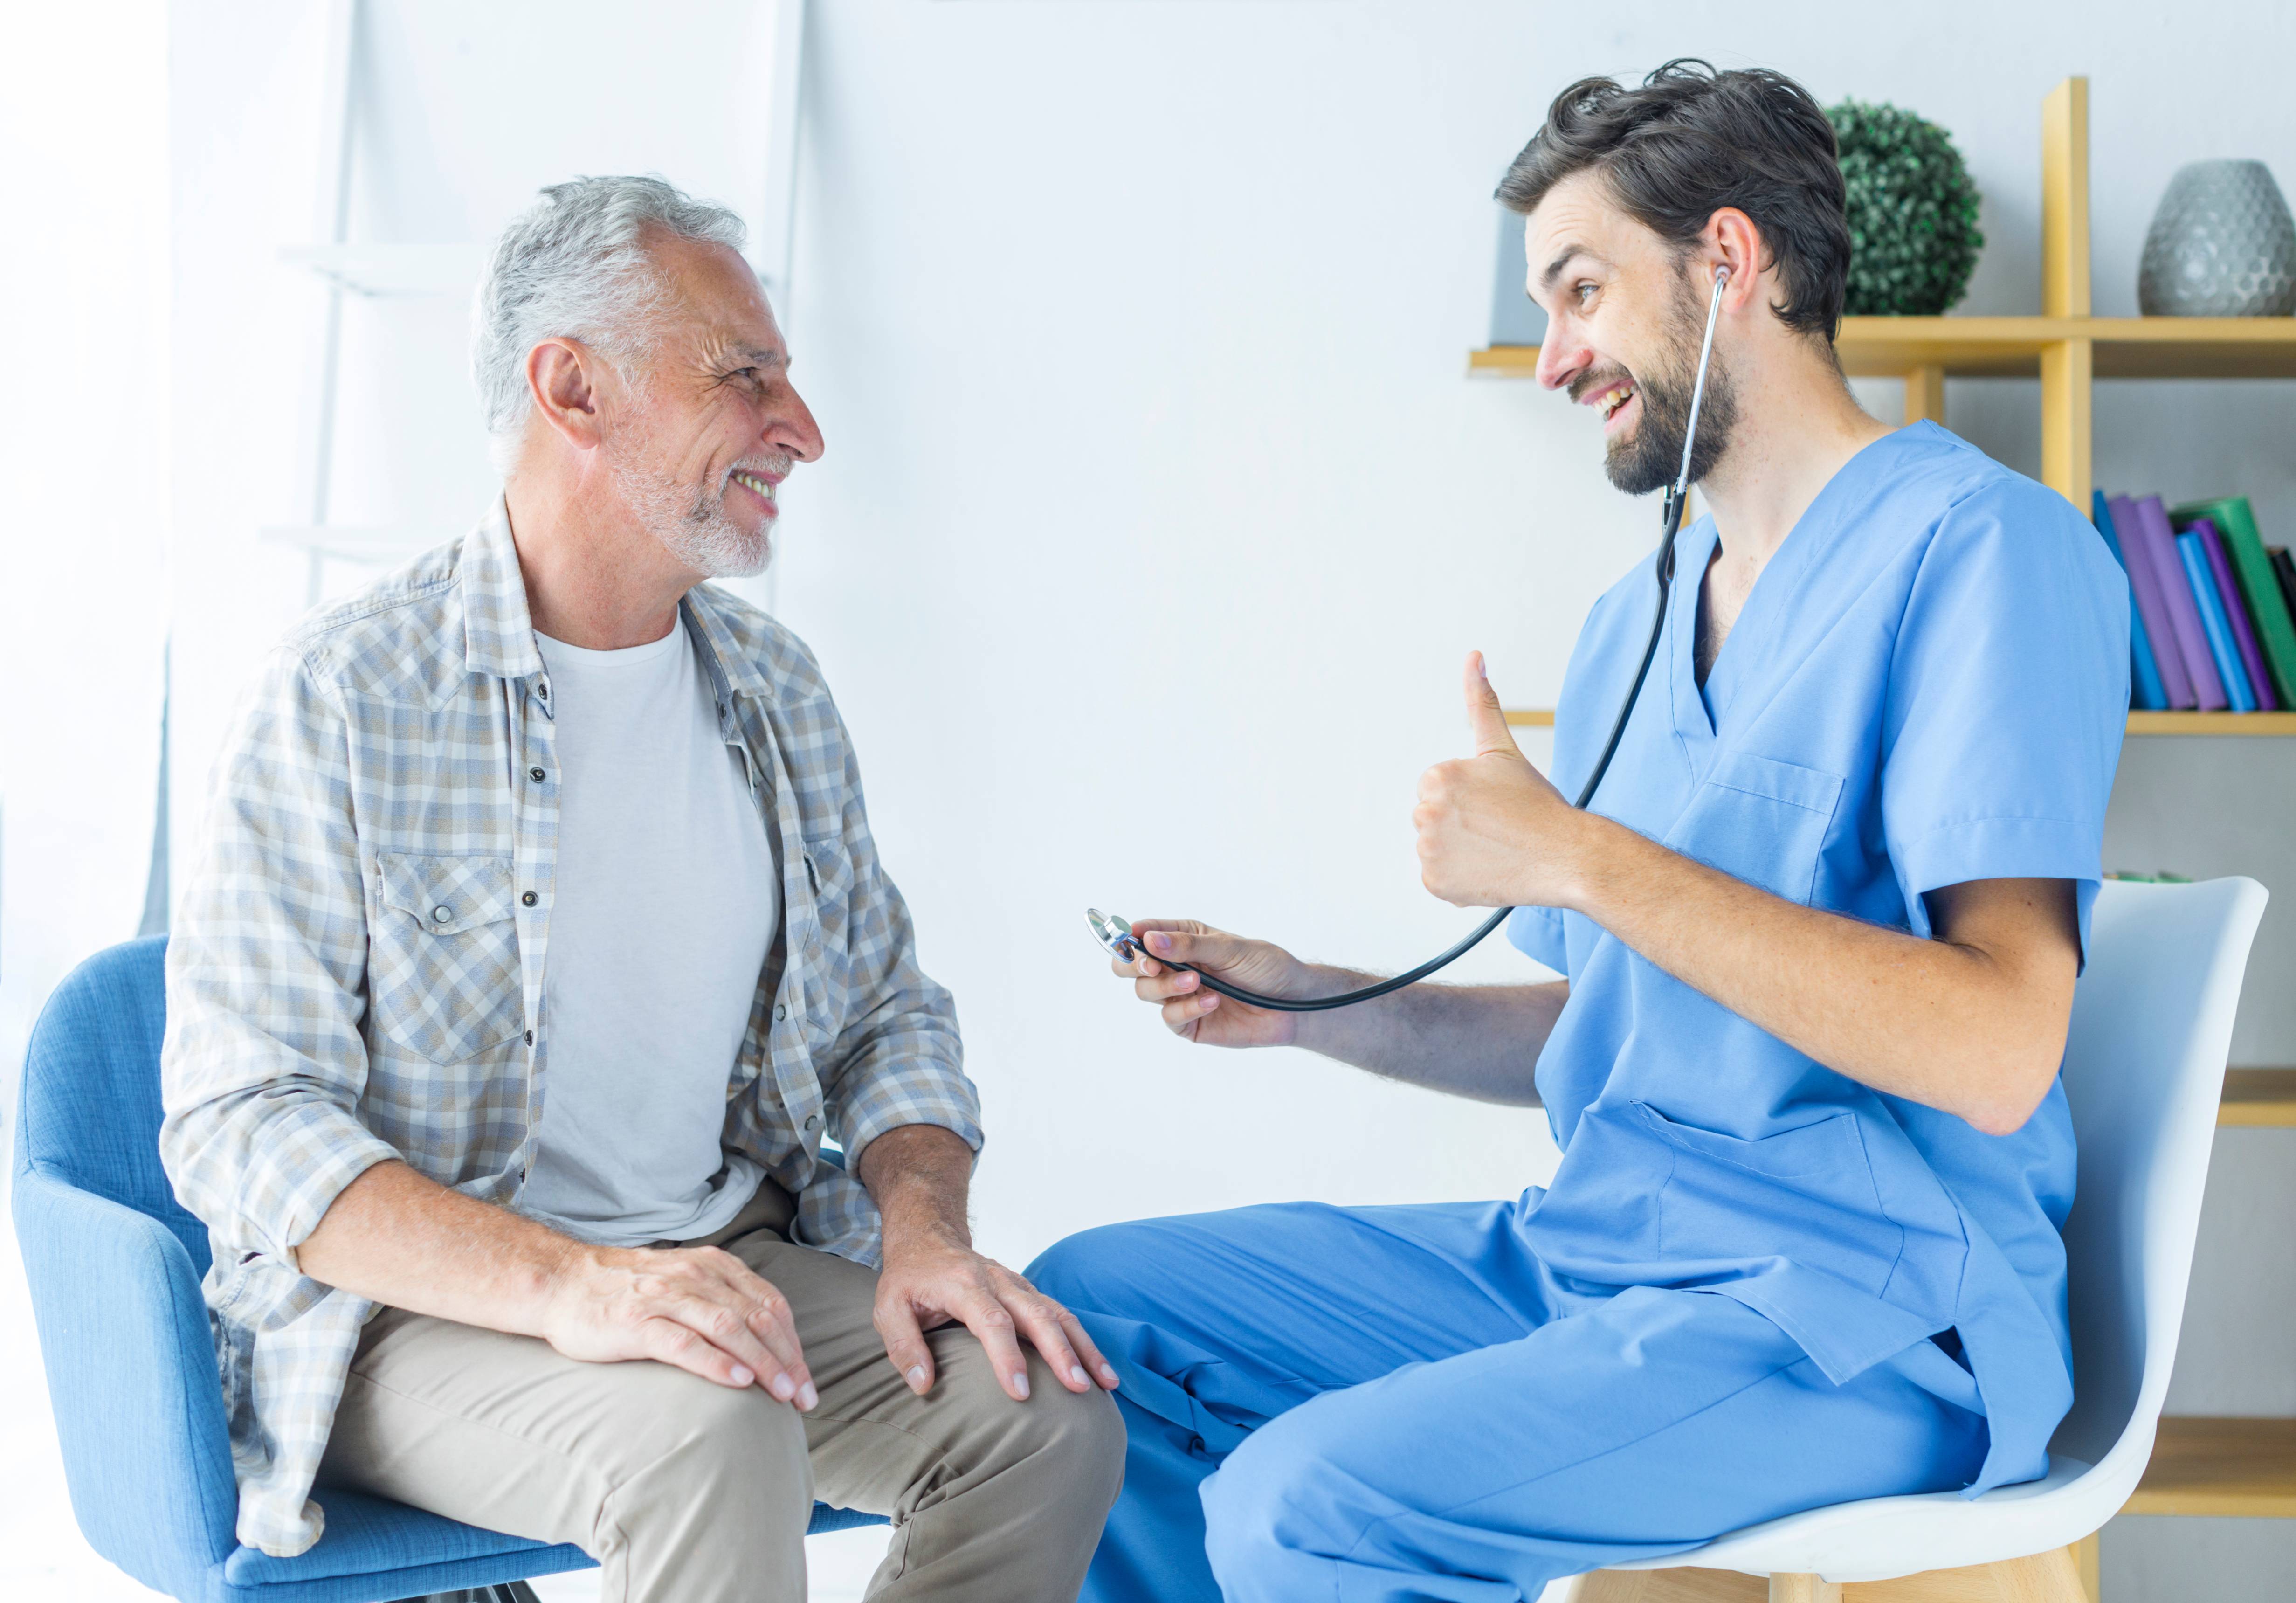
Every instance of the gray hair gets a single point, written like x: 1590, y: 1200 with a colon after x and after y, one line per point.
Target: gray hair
x: 575, y: 264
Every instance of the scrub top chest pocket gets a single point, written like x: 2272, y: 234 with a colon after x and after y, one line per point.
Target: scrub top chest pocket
x: 1762, y: 820
x: 1805, y: 1194
x: 443, y: 967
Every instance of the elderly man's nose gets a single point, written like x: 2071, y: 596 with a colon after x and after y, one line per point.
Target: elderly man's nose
x: 796, y: 431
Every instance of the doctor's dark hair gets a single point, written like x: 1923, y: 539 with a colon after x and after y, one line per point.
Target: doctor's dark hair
x: 1693, y: 140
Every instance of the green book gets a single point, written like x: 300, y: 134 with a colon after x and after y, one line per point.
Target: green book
x: 2259, y: 585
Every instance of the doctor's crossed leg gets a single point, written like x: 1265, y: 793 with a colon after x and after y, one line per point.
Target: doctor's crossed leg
x: 1818, y: 931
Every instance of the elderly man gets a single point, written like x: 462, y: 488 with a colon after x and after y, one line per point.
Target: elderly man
x: 538, y: 944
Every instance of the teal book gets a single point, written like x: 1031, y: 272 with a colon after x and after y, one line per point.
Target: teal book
x: 2145, y: 688
x: 2214, y: 626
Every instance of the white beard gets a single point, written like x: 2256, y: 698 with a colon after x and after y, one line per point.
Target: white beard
x: 696, y: 531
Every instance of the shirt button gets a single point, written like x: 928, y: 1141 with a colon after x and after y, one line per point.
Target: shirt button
x: 530, y: 899
x: 781, y: 1009
x: 813, y: 1121
x: 535, y: 775
x: 442, y: 914
x: 530, y: 1037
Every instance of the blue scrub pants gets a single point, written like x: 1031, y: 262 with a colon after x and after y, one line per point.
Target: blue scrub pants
x: 1391, y: 1403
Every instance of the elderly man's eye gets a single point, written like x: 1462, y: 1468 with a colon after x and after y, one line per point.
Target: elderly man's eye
x: 1585, y: 291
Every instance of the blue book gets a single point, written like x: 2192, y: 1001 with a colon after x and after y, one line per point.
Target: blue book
x: 2145, y: 673
x: 2213, y: 623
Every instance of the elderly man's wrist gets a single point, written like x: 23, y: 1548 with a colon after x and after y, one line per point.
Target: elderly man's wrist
x: 905, y: 1236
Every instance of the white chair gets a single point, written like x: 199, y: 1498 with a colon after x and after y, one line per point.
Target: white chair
x: 2144, y: 1067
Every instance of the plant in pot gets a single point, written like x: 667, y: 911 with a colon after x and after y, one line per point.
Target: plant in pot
x: 1914, y: 237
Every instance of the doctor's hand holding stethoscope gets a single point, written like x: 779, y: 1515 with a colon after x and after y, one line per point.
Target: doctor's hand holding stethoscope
x: 1493, y: 833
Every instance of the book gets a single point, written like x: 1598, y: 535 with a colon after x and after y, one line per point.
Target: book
x: 2236, y: 611
x: 2222, y: 653
x: 2145, y: 686
x: 2284, y: 569
x: 2267, y: 605
x: 2158, y: 542
x: 2145, y: 586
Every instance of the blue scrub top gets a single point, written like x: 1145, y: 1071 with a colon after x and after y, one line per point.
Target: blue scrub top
x: 1926, y: 686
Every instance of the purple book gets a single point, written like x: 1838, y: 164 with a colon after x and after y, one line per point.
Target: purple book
x: 2243, y: 633
x: 2159, y: 543
x: 2145, y: 583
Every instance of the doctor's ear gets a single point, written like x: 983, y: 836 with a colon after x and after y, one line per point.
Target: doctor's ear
x: 1732, y: 240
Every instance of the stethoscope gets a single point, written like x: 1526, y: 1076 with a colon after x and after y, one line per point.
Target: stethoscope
x: 1115, y: 935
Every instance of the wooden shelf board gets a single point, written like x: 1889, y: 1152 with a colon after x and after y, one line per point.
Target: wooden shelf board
x: 2219, y: 1467
x: 2139, y: 723
x: 2212, y: 723
x: 2259, y: 1098
x: 2123, y: 347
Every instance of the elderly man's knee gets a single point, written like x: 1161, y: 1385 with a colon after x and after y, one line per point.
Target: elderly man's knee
x: 1075, y: 1439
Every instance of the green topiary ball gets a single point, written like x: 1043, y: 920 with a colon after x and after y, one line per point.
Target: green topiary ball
x: 1914, y: 237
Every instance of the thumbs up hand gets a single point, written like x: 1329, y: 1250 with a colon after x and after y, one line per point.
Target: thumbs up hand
x: 1492, y: 832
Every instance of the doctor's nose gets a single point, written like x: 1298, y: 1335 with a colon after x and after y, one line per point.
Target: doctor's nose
x: 1562, y: 358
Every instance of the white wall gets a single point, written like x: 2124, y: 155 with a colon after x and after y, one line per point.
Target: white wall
x: 1158, y: 511
x: 83, y: 455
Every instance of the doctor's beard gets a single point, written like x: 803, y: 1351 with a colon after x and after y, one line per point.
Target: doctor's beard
x: 1648, y: 458
x: 692, y: 523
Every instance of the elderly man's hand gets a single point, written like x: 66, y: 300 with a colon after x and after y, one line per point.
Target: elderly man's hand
x: 1492, y: 832
x: 930, y: 1281
x: 698, y: 1308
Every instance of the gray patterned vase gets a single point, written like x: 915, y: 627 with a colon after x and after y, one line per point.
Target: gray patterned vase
x: 2222, y: 246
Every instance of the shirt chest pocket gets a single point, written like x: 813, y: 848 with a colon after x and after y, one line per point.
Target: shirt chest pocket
x: 443, y: 975
x: 1762, y: 821
x: 829, y: 875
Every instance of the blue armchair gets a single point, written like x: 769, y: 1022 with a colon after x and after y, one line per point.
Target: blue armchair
x: 114, y: 1263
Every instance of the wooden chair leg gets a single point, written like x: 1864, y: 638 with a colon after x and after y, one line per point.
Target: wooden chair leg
x: 2088, y: 1558
x: 1665, y: 1586
x: 1804, y: 1589
x: 2051, y: 1577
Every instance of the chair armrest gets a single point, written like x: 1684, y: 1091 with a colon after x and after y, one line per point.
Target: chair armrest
x: 131, y: 1369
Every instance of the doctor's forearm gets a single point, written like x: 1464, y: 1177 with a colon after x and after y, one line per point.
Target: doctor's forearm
x: 1972, y: 1022
x: 1480, y: 1041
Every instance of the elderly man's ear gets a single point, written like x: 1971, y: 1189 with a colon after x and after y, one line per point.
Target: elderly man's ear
x: 563, y: 377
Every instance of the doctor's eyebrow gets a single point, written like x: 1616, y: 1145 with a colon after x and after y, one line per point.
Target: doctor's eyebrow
x: 1569, y: 254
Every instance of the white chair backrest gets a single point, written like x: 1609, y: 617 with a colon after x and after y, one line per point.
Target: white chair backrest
x: 2143, y: 1072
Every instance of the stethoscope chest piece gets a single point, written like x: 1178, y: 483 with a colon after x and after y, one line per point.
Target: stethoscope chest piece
x: 1113, y: 933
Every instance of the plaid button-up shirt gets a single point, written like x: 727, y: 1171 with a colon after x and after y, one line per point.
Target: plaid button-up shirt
x: 356, y: 971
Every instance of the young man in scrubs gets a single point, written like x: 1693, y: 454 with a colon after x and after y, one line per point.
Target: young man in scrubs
x: 1820, y: 929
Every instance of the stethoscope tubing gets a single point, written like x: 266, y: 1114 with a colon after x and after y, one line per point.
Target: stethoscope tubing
x: 1672, y: 517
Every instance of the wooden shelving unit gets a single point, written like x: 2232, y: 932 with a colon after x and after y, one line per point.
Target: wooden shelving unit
x: 2258, y: 1099
x: 2214, y: 1466
x: 2200, y: 1466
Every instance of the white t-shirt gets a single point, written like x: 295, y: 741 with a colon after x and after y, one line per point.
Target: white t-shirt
x: 663, y: 913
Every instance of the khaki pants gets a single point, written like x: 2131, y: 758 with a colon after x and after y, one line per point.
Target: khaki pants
x: 686, y: 1492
